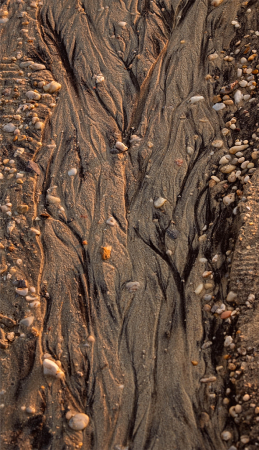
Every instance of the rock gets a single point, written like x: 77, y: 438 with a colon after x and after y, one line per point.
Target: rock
x: 9, y: 128
x: 52, y: 199
x: 120, y: 146
x: 226, y: 435
x: 111, y: 221
x: 199, y: 289
x: 52, y: 87
x: 228, y: 199
x: 196, y: 98
x: 27, y: 321
x: 33, y: 95
x: 159, y: 202
x: 231, y: 297
x: 79, y: 422
x: 36, y: 67
x: 72, y: 172
x: 106, y: 252
x: 132, y: 286
x: 238, y: 96
x: 219, y: 106
x: 22, y: 209
x: 50, y: 368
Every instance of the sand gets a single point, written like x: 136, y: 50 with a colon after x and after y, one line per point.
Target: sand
x: 117, y: 249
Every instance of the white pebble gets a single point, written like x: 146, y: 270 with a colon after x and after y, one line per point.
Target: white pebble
x: 22, y: 291
x: 111, y: 221
x: 120, y: 146
x: 132, y: 286
x: 78, y: 422
x: 9, y: 128
x: 199, y: 289
x: 52, y: 87
x: 228, y: 199
x: 158, y: 203
x: 243, y: 83
x: 72, y: 172
x: 219, y: 106
x: 52, y: 369
x: 36, y: 66
x: 226, y: 435
x: 228, y: 341
x: 27, y: 322
x: 32, y: 95
x: 238, y: 96
x: 196, y: 98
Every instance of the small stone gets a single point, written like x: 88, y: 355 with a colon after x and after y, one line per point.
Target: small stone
x: 211, y: 379
x: 219, y: 106
x: 78, y: 422
x: 199, y: 289
x: 52, y: 87
x: 228, y: 199
x: 246, y: 397
x: 72, y: 172
x: 106, y: 252
x: 159, y: 202
x: 132, y: 286
x: 33, y: 95
x: 231, y: 297
x: 196, y: 98
x: 36, y: 67
x: 226, y: 435
x: 111, y: 221
x: 225, y: 314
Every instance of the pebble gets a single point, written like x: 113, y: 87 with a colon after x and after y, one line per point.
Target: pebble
x: 216, y: 2
x: 111, y: 221
x: 199, y: 289
x: 52, y: 199
x: 120, y: 146
x: 196, y: 98
x: 231, y: 297
x: 36, y: 67
x: 237, y: 148
x: 227, y: 168
x: 217, y: 143
x: 244, y: 439
x: 78, y: 422
x: 9, y: 128
x: 228, y: 340
x: 39, y: 125
x: 106, y: 252
x: 225, y: 159
x: 213, y: 56
x: 225, y: 314
x: 27, y: 321
x: 208, y: 379
x: 159, y: 202
x: 246, y: 397
x: 238, y: 96
x: 72, y: 172
x: 219, y: 106
x: 52, y: 87
x: 226, y: 435
x: 52, y: 369
x: 228, y: 199
x: 22, y: 291
x: 33, y: 95
x: 132, y: 286
x: 190, y: 150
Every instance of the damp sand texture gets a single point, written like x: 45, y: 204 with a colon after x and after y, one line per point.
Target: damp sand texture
x: 129, y: 207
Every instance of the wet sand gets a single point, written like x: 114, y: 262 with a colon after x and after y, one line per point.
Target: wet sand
x: 129, y: 225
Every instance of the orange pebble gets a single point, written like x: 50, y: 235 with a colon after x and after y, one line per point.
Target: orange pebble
x: 225, y: 314
x: 106, y: 252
